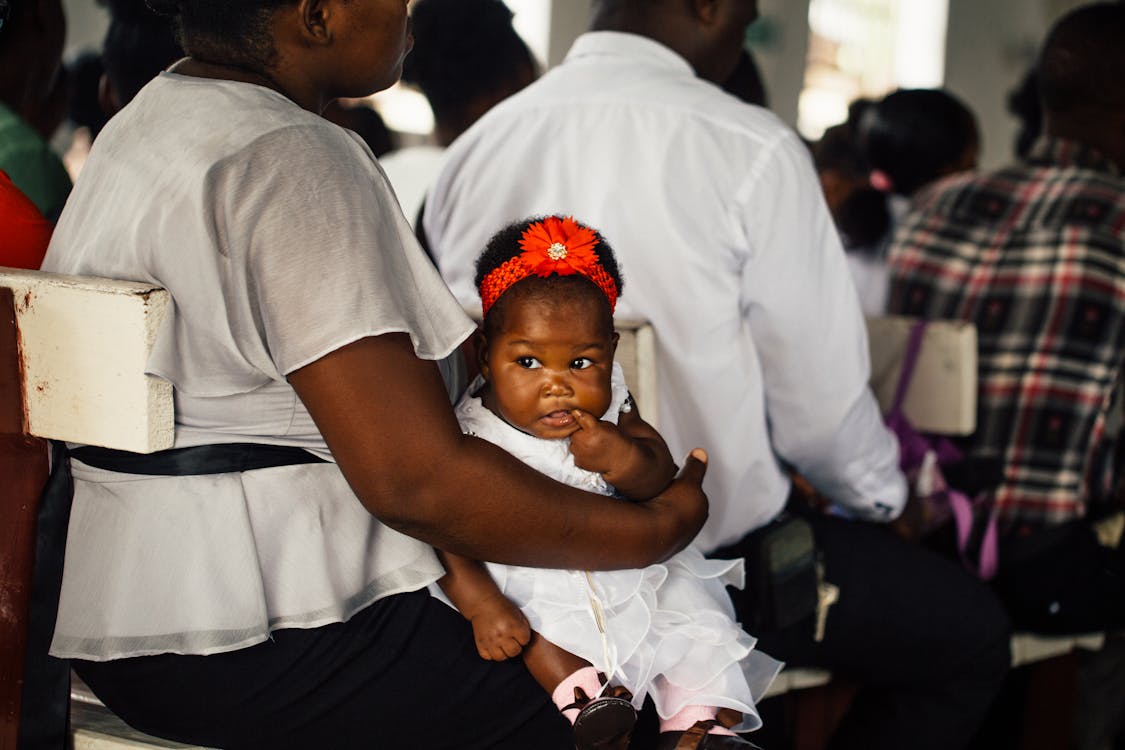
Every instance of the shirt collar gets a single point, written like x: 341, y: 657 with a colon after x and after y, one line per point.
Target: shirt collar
x: 628, y: 46
x: 1063, y: 152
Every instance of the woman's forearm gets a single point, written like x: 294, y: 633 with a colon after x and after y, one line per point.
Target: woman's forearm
x: 385, y: 416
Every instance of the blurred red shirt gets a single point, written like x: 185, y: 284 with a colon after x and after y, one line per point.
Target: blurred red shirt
x: 24, y: 233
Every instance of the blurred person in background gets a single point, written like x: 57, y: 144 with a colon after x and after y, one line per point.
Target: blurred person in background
x: 467, y: 56
x: 33, y: 97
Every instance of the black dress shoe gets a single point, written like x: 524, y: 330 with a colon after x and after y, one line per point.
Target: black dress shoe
x: 697, y: 738
x: 604, y: 723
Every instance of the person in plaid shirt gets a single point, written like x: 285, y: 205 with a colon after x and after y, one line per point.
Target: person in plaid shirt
x: 1034, y: 255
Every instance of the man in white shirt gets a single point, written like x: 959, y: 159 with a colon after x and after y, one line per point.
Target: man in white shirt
x: 727, y: 247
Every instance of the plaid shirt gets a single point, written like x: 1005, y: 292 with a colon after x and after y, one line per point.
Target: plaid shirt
x: 1034, y: 255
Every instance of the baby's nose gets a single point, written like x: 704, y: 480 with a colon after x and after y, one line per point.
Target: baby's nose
x: 557, y: 386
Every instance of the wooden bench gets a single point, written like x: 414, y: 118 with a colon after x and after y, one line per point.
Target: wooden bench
x: 72, y: 358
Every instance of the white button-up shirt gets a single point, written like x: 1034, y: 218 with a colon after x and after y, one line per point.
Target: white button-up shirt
x: 717, y: 219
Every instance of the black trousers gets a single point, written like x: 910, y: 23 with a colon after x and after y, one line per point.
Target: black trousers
x: 402, y: 673
x: 927, y: 644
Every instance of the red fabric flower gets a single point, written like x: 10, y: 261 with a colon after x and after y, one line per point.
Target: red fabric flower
x: 560, y: 246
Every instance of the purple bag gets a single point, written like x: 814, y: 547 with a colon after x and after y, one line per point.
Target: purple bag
x: 921, y: 458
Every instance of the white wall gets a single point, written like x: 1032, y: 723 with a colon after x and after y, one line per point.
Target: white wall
x: 781, y: 58
x: 989, y: 47
x: 86, y: 23
x: 569, y: 18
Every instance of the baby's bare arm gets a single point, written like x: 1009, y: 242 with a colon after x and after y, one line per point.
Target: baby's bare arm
x: 631, y: 455
x: 499, y: 627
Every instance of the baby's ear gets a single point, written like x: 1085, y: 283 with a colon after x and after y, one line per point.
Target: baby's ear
x: 613, y: 342
x: 480, y: 344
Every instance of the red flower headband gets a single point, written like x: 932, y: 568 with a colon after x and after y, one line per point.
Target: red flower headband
x: 552, y: 246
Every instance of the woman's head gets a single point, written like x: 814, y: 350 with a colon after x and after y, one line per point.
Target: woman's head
x: 548, y: 287
x: 347, y: 47
x: 914, y: 136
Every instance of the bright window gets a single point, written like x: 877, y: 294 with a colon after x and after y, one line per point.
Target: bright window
x: 866, y: 48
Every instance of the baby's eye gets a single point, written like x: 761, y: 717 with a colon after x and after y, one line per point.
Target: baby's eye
x: 530, y: 363
x: 581, y: 363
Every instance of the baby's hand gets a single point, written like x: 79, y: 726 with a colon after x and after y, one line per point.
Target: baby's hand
x: 499, y: 628
x: 598, y: 446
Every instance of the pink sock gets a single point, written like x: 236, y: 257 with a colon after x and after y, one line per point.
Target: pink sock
x: 686, y: 717
x: 585, y: 678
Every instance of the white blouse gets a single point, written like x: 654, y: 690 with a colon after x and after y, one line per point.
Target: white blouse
x: 280, y: 240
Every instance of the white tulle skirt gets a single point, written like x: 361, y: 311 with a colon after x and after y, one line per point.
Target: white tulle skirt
x: 669, y: 629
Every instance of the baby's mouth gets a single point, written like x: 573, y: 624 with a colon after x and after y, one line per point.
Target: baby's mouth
x: 558, y: 418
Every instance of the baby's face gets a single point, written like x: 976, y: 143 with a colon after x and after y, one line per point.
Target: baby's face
x: 547, y: 358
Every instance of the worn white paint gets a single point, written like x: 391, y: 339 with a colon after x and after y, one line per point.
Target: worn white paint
x: 84, y: 343
x: 942, y: 397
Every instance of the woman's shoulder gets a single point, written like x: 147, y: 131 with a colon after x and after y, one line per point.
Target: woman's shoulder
x: 219, y: 119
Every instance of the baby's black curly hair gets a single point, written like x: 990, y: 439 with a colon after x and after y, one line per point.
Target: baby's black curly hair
x: 505, y: 245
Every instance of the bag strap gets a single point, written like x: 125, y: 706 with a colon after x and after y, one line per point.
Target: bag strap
x: 989, y: 558
x: 909, y: 359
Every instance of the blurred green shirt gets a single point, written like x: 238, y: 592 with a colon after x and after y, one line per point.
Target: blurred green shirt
x: 31, y: 164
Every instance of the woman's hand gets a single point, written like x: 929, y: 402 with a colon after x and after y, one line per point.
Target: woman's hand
x: 683, y: 504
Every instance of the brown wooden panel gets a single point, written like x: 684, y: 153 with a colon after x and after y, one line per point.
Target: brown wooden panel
x: 23, y: 471
x: 11, y: 389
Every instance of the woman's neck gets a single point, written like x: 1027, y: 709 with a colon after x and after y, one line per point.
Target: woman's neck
x: 191, y: 66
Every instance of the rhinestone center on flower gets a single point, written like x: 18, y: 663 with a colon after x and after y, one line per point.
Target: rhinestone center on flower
x: 556, y: 251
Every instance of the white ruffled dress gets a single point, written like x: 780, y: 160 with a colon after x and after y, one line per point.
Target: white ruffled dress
x: 670, y: 629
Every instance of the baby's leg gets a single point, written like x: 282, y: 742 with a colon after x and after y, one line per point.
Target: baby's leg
x: 551, y: 666
x: 718, y: 719
x: 605, y: 722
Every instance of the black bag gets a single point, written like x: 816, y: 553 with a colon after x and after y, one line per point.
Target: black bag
x: 783, y: 575
x: 1062, y: 580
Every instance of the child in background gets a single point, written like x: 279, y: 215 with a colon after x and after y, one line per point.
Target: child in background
x: 551, y: 394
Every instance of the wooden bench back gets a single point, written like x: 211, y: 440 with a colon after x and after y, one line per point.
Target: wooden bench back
x: 942, y: 397
x: 72, y: 358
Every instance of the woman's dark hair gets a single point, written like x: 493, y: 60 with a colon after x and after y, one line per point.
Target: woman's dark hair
x: 230, y: 32
x: 464, y: 49
x: 505, y: 245
x: 915, y: 136
x: 863, y: 217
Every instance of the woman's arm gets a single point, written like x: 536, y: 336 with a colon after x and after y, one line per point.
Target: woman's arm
x: 387, y: 419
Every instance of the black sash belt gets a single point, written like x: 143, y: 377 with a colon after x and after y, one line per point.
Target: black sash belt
x: 44, y: 721
x: 199, y: 459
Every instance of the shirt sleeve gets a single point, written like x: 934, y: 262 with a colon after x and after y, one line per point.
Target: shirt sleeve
x: 805, y: 321
x: 331, y: 259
